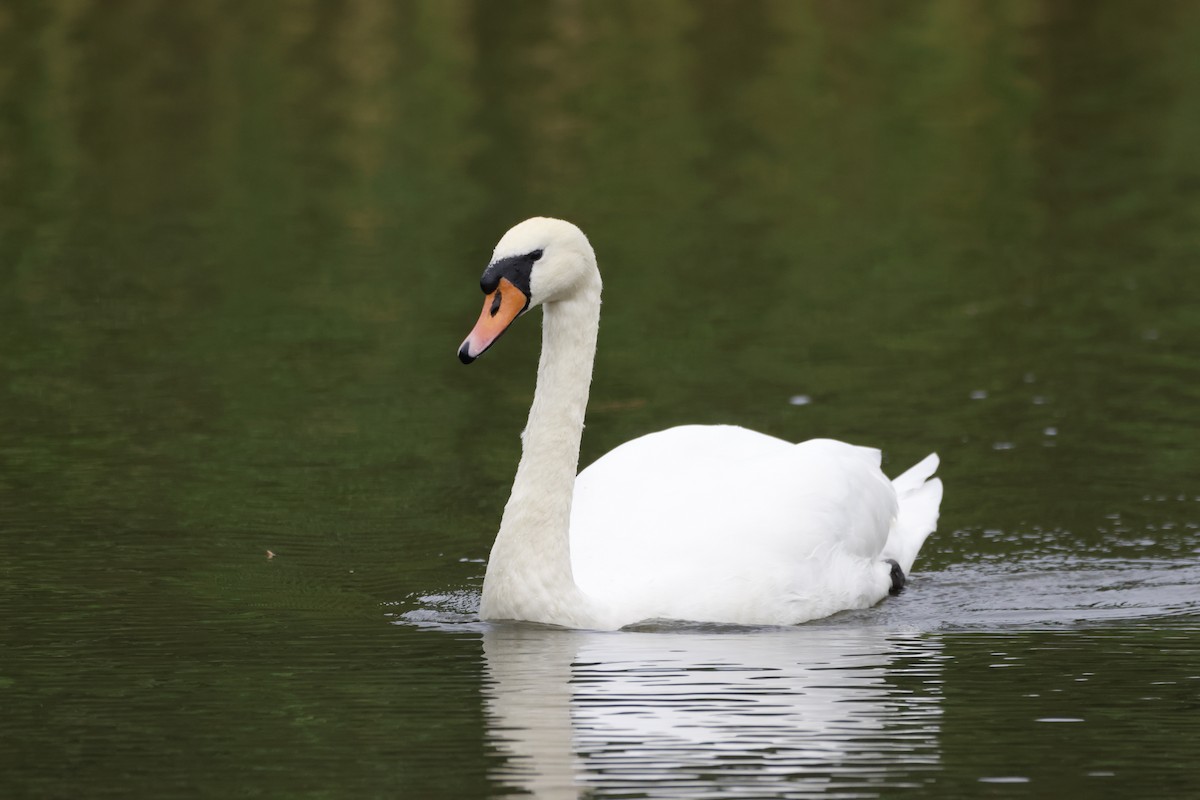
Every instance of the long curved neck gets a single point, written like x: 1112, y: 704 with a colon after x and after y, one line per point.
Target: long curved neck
x: 529, y: 573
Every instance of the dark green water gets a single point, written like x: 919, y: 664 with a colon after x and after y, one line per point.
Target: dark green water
x: 239, y: 246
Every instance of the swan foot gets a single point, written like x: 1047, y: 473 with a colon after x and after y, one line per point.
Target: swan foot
x: 898, y: 577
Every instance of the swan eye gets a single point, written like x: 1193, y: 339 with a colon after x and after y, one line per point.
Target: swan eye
x: 535, y: 255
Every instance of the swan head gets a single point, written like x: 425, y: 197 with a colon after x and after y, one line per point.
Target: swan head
x: 540, y: 260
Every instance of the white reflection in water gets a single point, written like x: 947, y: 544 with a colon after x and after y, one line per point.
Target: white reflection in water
x: 833, y: 711
x: 841, y: 708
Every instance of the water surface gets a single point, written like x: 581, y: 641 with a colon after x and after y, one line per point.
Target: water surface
x: 246, y: 489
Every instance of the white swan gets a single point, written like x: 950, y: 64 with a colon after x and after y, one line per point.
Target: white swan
x: 699, y: 523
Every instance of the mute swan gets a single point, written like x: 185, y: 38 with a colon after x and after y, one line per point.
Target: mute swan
x: 699, y: 523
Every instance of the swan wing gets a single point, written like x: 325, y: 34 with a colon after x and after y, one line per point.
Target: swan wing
x: 726, y: 524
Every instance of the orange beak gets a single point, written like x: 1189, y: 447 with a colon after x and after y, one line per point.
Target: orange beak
x: 500, y: 308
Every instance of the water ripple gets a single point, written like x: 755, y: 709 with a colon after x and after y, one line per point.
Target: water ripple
x: 1034, y: 592
x: 849, y: 706
x: 705, y: 714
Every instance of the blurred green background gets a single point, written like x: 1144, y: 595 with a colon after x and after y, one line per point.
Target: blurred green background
x: 240, y: 243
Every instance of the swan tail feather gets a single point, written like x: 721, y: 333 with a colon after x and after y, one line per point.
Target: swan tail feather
x: 919, y: 495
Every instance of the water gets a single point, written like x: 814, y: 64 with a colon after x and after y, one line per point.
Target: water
x: 246, y: 488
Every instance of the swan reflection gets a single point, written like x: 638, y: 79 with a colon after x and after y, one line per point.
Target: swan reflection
x: 692, y: 713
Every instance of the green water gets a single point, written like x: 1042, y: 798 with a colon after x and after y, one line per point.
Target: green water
x: 240, y: 244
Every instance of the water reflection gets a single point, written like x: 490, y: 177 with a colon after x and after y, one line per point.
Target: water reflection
x: 702, y: 712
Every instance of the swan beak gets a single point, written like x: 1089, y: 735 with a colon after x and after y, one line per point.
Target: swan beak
x: 500, y: 308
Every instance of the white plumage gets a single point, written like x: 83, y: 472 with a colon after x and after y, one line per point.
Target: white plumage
x: 699, y: 523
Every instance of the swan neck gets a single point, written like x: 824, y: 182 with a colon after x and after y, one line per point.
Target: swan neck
x: 529, y: 573
x: 555, y: 427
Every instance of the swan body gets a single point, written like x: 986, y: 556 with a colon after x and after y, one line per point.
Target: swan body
x: 699, y: 523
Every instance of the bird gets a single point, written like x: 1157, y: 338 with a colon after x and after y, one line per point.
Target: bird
x: 696, y: 523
